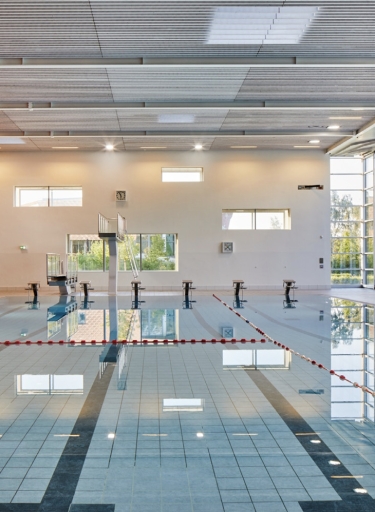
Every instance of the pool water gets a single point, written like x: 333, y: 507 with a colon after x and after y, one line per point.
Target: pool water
x: 187, y: 426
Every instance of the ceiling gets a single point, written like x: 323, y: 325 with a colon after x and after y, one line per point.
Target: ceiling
x: 171, y: 74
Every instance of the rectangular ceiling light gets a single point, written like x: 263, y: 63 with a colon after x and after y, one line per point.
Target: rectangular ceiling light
x: 260, y: 25
x: 176, y: 118
x: 11, y: 140
x: 183, y: 404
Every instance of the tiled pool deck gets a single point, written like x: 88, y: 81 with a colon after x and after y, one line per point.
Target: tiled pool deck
x: 114, y: 446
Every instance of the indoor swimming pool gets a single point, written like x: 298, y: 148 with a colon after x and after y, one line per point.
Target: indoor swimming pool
x: 177, y: 424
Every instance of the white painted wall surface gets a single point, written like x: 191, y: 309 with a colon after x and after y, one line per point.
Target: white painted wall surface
x: 237, y: 179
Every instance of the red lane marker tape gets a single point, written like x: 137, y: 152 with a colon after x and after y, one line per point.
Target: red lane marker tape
x: 332, y: 372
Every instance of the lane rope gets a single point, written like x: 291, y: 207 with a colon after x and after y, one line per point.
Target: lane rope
x: 130, y: 342
x: 365, y: 389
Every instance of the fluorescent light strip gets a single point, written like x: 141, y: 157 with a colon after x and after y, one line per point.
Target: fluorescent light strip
x: 345, y: 117
x: 307, y: 147
x: 65, y: 147
x: 153, y: 147
x: 243, y: 147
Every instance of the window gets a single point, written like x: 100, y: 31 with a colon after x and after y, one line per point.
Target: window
x: 151, y: 252
x: 169, y: 174
x: 48, y: 196
x: 347, y: 184
x: 255, y: 219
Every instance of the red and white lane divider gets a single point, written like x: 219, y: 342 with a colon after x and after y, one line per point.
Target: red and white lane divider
x: 332, y: 372
x: 130, y: 342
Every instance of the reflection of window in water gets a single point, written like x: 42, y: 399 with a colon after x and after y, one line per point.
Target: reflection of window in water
x: 159, y: 323
x: 251, y: 359
x: 28, y: 384
x: 352, y: 354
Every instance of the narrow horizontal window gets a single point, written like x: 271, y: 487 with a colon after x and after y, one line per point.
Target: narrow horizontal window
x: 48, y: 196
x: 182, y: 174
x: 255, y: 219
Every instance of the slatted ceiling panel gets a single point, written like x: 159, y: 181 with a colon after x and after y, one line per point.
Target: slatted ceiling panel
x: 162, y: 83
x: 272, y: 142
x: 83, y: 143
x: 62, y: 28
x: 305, y: 120
x: 47, y: 29
x: 48, y: 85
x: 6, y: 124
x: 181, y: 29
x: 65, y: 120
x: 171, y: 120
x: 301, y: 84
x: 173, y: 143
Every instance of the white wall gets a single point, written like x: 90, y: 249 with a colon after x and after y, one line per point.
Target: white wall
x: 237, y: 179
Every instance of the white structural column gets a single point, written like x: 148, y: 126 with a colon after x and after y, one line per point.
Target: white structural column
x: 113, y: 272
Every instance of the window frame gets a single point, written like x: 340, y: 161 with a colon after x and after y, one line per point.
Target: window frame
x: 50, y: 189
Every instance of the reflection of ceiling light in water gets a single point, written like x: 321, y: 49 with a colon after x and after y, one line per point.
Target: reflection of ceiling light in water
x: 308, y: 433
x: 111, y: 436
x: 66, y: 435
x: 315, y: 441
x: 360, y: 490
x: 200, y: 434
x: 334, y: 462
x: 155, y: 435
x: 244, y: 434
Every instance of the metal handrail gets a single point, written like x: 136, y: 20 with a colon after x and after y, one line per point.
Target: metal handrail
x: 129, y: 250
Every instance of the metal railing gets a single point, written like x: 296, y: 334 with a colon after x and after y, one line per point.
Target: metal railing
x: 112, y: 227
x: 54, y: 266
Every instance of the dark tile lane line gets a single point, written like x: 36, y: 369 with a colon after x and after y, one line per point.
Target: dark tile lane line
x: 320, y: 454
x: 60, y: 491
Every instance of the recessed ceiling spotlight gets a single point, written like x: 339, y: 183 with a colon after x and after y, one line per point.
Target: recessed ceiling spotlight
x: 109, y: 147
x: 314, y: 141
x: 198, y: 147
x: 333, y: 127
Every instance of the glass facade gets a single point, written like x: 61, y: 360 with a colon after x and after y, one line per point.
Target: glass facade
x: 352, y: 221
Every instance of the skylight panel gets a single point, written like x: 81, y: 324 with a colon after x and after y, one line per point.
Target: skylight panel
x: 260, y: 25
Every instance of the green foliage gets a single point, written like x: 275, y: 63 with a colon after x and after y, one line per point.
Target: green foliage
x: 345, y: 278
x: 92, y: 260
x: 345, y: 317
x: 155, y: 255
x: 346, y: 227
